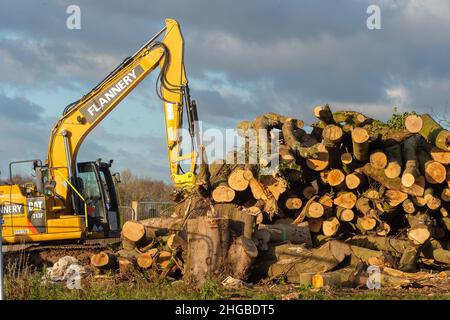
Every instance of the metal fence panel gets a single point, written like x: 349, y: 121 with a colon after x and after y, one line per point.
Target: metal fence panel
x: 153, y: 209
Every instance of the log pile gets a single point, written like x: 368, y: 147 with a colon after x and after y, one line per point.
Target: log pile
x: 348, y: 191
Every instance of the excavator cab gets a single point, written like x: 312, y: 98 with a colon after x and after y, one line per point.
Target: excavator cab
x: 31, y: 213
x: 97, y: 185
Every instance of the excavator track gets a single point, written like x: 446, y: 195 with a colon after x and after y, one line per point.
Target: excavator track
x: 90, y: 244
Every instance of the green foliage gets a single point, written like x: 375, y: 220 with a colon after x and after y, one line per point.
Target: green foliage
x: 303, y: 287
x: 210, y: 291
x: 397, y: 120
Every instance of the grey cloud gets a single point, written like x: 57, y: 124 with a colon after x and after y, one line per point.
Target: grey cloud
x: 287, y: 55
x: 19, y: 110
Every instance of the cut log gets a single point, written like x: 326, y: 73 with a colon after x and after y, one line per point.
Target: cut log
x: 378, y: 175
x: 293, y: 203
x: 408, y: 260
x: 126, y: 267
x: 237, y: 180
x: 445, y: 194
x: 223, y: 193
x: 346, y: 158
x: 378, y: 159
x: 162, y: 225
x: 240, y: 257
x: 435, y: 172
x: 145, y: 260
x: 394, y: 165
x: 365, y: 255
x: 352, y: 118
x: 260, y: 192
x: 434, y: 133
x: 288, y: 130
x: 330, y: 226
x: 344, y: 214
x: 332, y: 135
x: 327, y: 202
x: 397, y: 246
x: 419, y: 201
x: 440, y: 155
x: 419, y: 235
x: 360, y: 139
x: 363, y: 205
x: 395, y: 197
x: 314, y: 209
x: 365, y: 223
x: 433, y: 202
x: 345, y: 199
x: 324, y: 114
x: 104, y: 260
x: 296, y: 260
x: 355, y: 180
x: 408, y: 206
x: 383, y: 229
x: 285, y: 154
x: 164, y: 259
x: 139, y: 234
x: 336, y: 178
x: 296, y: 234
x: 413, y: 123
x: 419, y: 232
x: 275, y: 185
x: 321, y: 161
x: 411, y: 170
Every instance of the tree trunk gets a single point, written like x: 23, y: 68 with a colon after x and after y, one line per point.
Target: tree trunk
x: 208, y: 243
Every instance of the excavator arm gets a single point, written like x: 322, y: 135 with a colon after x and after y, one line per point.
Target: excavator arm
x: 84, y: 115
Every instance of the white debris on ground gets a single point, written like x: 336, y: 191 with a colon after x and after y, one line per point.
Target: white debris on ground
x: 64, y: 269
x: 233, y: 283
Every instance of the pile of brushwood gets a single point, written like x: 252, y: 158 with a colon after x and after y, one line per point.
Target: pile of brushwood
x: 348, y: 193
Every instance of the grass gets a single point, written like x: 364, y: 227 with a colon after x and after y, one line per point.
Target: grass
x: 24, y: 283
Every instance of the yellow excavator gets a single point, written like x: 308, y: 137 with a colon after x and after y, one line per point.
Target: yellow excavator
x: 79, y: 201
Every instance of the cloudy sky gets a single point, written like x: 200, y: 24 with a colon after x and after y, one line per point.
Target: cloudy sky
x: 242, y: 59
